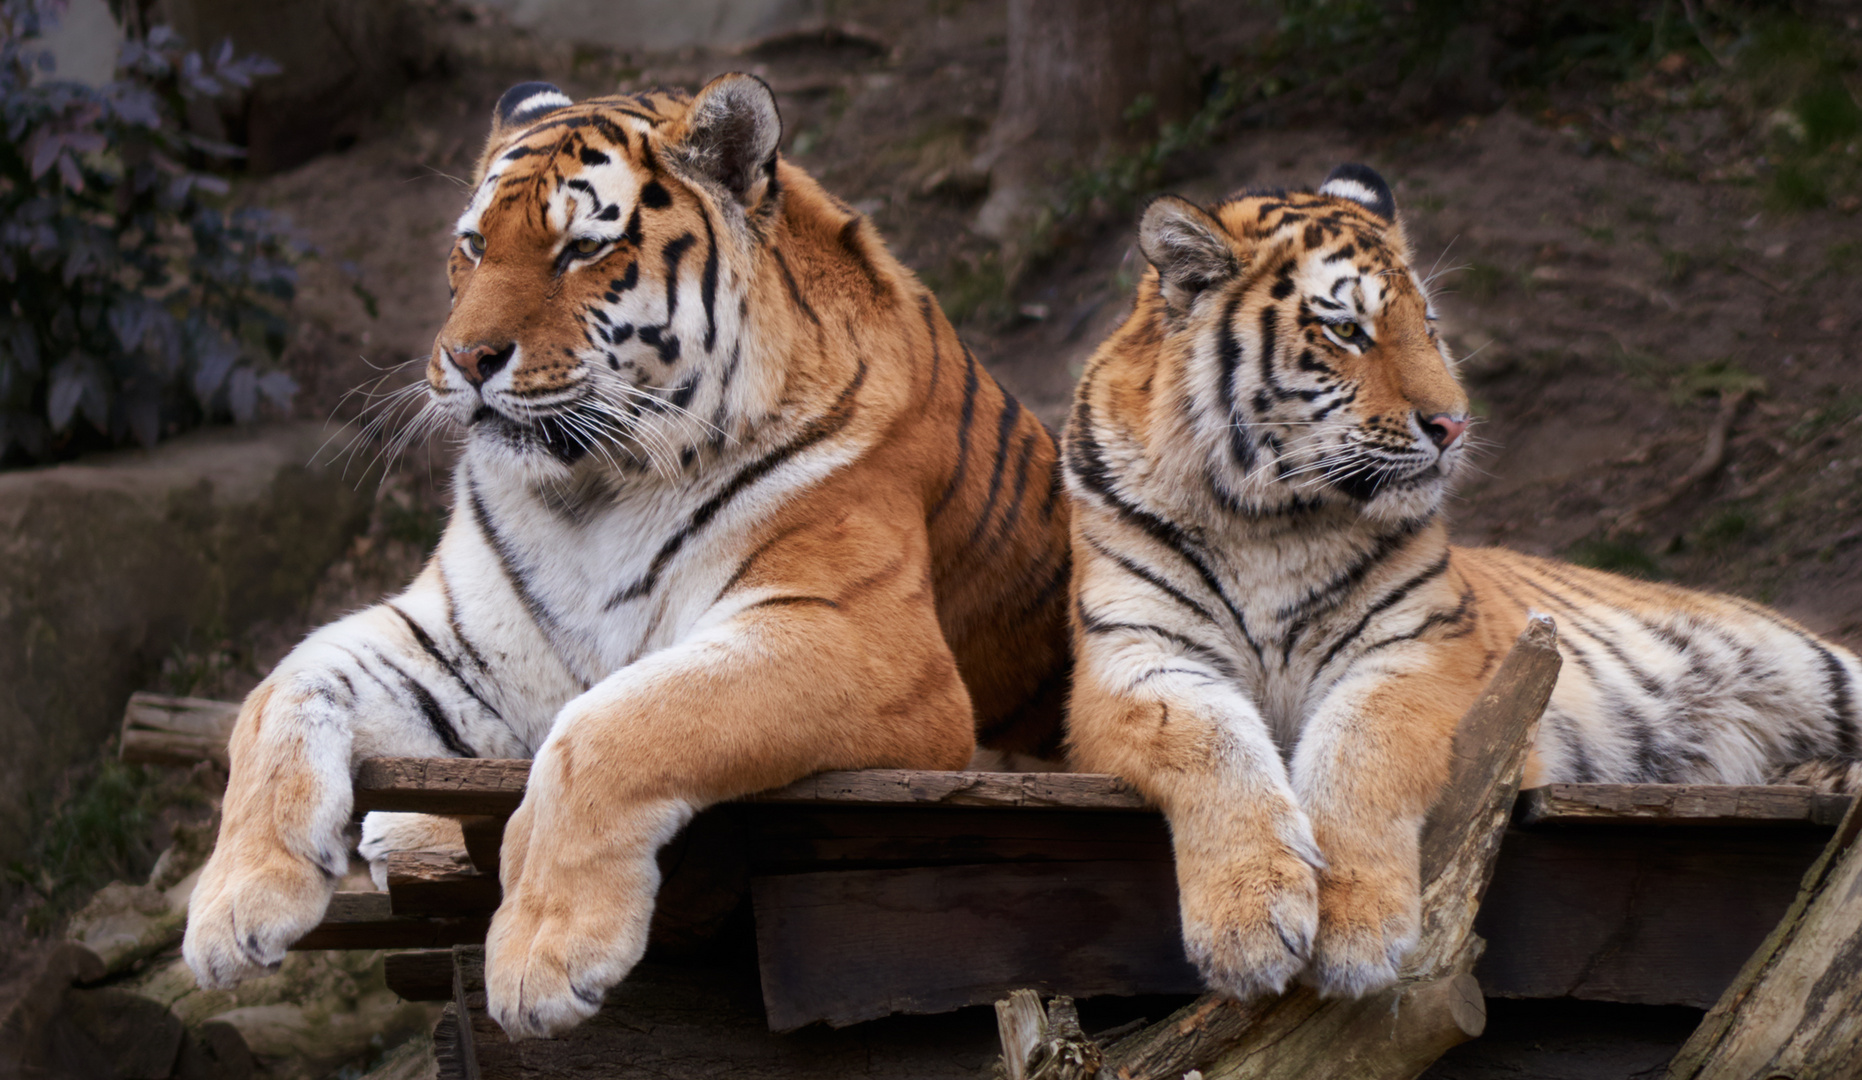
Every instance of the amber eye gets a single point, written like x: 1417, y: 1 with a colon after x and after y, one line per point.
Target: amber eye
x: 587, y: 245
x: 475, y: 244
x: 1347, y: 331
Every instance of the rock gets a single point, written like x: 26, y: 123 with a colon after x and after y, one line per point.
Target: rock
x: 125, y: 923
x: 31, y: 1002
x: 214, y: 1051
x: 107, y: 563
x: 137, y: 1038
x: 412, y: 1060
x: 320, y: 1011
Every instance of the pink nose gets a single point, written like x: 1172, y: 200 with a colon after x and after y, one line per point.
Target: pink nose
x: 1444, y: 429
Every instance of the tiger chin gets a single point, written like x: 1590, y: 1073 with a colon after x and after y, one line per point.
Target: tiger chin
x: 1274, y: 639
x: 734, y: 506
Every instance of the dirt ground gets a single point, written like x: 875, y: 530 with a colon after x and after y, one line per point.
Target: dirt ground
x: 1603, y: 305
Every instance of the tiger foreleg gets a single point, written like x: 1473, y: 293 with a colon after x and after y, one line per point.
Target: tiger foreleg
x: 840, y: 664
x: 1370, y: 762
x: 361, y: 687
x: 1246, y: 861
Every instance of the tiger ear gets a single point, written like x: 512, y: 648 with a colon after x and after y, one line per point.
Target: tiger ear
x: 1362, y: 185
x: 1190, y: 249
x: 523, y: 105
x: 730, y: 135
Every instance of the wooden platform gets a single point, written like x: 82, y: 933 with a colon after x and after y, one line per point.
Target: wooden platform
x: 860, y: 885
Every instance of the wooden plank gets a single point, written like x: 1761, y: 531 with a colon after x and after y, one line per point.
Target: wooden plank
x: 847, y: 946
x: 439, y: 883
x: 1651, y: 915
x: 1795, y: 1009
x: 420, y: 974
x: 496, y: 786
x: 803, y: 838
x: 441, y: 785
x: 180, y: 731
x: 1679, y: 804
x: 363, y: 920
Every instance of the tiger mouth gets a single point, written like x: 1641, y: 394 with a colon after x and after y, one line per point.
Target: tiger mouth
x: 1365, y: 480
x: 548, y: 434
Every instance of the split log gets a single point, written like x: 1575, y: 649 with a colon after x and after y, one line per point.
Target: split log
x: 1679, y: 804
x: 1796, y: 1008
x: 1043, y: 1044
x: 163, y: 730
x: 1399, y: 1033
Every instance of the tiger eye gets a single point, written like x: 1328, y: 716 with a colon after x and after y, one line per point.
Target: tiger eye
x: 1347, y: 331
x: 587, y: 245
x: 474, y: 243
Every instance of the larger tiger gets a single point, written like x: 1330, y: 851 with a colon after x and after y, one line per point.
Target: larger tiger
x: 1274, y: 638
x: 734, y: 506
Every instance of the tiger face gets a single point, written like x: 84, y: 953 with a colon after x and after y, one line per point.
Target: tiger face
x: 596, y: 275
x: 1318, y: 375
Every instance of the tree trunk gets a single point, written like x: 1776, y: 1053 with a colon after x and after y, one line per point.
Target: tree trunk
x: 1795, y: 1011
x: 1085, y: 79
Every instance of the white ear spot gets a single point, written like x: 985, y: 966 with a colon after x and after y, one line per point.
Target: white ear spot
x: 537, y: 104
x: 1350, y: 189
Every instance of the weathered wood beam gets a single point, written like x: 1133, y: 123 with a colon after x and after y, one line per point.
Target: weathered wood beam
x: 1796, y: 1008
x: 425, y: 883
x: 163, y: 730
x: 1397, y: 1034
x: 365, y: 920
x: 485, y: 786
x: 420, y: 974
x: 1678, y: 804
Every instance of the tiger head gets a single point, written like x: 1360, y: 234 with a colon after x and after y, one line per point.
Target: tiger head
x: 598, y: 274
x: 1312, y: 369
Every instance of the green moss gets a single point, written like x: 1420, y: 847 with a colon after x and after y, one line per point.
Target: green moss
x: 1616, y: 556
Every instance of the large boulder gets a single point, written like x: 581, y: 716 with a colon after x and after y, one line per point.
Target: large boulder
x: 106, y: 564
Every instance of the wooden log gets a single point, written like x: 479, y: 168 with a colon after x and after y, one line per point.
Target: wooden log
x: 1299, y: 1035
x: 420, y: 974
x: 1678, y: 804
x: 1043, y: 1044
x: 1796, y: 1008
x: 180, y: 731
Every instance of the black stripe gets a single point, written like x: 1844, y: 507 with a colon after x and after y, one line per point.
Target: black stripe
x: 856, y: 250
x: 1326, y: 598
x: 970, y: 383
x: 789, y: 601
x: 795, y: 293
x: 436, y: 717
x: 1152, y: 578
x: 821, y: 427
x: 708, y: 284
x: 1842, y: 699
x: 1086, y: 463
x: 1456, y: 617
x: 1092, y: 624
x: 1005, y: 426
x: 1228, y: 353
x: 513, y: 571
x: 1390, y: 599
x: 1012, y: 515
x: 452, y: 621
x: 446, y: 664
x: 672, y: 253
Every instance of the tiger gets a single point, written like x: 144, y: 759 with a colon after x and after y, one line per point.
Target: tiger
x: 1274, y: 638
x: 733, y: 505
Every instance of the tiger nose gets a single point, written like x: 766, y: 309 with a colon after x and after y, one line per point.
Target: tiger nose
x: 1444, y: 428
x: 480, y: 362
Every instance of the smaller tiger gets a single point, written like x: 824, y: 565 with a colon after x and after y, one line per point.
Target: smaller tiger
x: 1274, y: 638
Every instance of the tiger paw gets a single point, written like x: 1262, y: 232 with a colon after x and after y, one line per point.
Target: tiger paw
x: 1368, y: 923
x: 249, y: 906
x: 556, y: 946
x: 1249, y: 920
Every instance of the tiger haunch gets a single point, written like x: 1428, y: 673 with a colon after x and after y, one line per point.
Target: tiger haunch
x: 734, y: 506
x: 1274, y: 638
